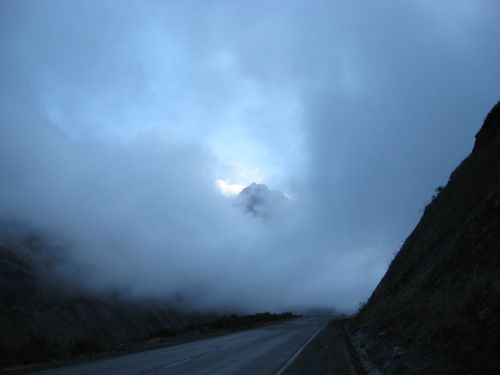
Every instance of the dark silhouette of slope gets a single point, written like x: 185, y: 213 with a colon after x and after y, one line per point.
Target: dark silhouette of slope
x: 45, y: 317
x: 437, y: 309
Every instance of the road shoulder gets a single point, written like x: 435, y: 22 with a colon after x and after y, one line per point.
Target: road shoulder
x: 330, y: 352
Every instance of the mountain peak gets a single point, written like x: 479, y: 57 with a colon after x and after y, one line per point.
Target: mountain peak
x: 259, y: 200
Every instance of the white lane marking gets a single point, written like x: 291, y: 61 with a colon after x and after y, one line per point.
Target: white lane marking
x: 170, y: 364
x: 297, y: 353
x: 176, y: 363
x: 180, y: 361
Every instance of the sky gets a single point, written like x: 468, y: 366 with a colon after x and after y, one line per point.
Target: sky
x: 126, y: 127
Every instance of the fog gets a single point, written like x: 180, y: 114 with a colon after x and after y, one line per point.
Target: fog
x: 117, y: 119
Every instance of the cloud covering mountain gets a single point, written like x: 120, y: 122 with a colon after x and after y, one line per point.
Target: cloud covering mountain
x: 258, y: 200
x: 116, y: 121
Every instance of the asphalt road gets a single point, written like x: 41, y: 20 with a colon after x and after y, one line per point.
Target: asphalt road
x: 258, y: 351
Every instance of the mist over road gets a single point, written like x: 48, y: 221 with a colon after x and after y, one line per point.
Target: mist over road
x: 258, y: 351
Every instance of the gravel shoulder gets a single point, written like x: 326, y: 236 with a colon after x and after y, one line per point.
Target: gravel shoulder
x: 329, y: 353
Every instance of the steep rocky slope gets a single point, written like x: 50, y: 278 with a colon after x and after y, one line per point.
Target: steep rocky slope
x: 437, y: 309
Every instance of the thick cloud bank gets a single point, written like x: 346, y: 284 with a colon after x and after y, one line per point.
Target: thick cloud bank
x: 117, y: 119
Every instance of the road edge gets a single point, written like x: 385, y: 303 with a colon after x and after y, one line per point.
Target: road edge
x: 352, y: 354
x: 300, y: 350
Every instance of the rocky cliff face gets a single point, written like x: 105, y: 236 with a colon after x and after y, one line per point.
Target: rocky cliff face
x: 437, y: 309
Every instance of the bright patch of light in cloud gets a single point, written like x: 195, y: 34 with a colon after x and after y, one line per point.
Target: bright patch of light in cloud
x: 227, y: 189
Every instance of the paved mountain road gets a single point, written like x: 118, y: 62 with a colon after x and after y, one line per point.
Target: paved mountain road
x: 257, y: 351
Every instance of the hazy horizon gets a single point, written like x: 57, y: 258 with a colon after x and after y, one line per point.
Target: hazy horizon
x: 126, y: 129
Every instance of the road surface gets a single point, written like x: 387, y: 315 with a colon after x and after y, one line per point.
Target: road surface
x: 257, y: 351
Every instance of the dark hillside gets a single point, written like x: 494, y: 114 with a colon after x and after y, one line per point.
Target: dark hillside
x: 43, y: 318
x: 437, y: 309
